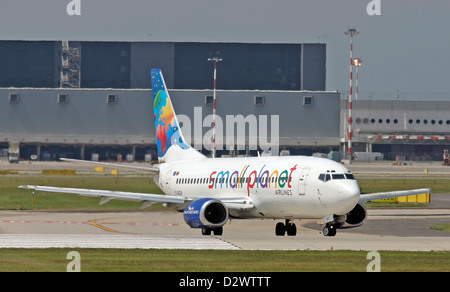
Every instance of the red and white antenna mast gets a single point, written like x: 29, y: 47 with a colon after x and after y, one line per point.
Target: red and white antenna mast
x: 351, y: 32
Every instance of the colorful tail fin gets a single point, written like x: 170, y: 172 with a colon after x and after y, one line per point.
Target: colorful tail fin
x: 169, y: 139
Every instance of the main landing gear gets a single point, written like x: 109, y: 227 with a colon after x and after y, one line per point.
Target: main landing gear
x: 290, y: 229
x: 217, y: 231
x: 281, y: 229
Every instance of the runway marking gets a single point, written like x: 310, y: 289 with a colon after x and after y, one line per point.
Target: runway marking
x: 390, y: 217
x: 94, y: 223
x: 88, y: 222
x: 121, y: 241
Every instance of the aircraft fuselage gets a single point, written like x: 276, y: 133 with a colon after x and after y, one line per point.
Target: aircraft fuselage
x: 293, y: 187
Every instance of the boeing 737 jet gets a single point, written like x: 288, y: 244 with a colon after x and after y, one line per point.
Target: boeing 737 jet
x: 209, y: 191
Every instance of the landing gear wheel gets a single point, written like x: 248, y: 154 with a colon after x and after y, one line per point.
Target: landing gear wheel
x: 329, y: 230
x: 291, y: 229
x: 218, y: 231
x: 280, y: 229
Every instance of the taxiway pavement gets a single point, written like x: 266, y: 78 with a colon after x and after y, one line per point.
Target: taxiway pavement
x: 384, y: 230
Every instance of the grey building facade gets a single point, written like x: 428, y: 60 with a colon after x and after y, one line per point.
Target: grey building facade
x: 126, y: 65
x: 416, y: 130
x: 73, y: 99
x: 79, y: 122
x: 77, y: 98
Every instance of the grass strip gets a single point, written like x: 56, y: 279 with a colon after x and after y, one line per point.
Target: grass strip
x: 138, y: 260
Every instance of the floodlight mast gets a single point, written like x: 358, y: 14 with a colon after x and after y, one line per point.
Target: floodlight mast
x: 215, y: 60
x: 357, y: 63
x: 351, y: 32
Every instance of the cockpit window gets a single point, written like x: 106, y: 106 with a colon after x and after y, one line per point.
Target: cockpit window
x: 326, y: 176
x: 349, y: 176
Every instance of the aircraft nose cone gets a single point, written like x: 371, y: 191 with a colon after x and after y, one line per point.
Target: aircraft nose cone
x: 349, y: 194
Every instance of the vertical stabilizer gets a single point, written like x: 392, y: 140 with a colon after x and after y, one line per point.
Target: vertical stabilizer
x: 169, y: 139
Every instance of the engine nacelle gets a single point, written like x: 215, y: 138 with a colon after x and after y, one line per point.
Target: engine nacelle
x: 206, y: 213
x: 355, y: 218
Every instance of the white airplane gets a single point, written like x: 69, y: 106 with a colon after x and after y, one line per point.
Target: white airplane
x: 211, y: 190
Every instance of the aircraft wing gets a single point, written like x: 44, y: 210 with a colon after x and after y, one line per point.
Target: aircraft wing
x: 234, y: 203
x: 152, y: 170
x: 393, y: 194
x: 106, y: 196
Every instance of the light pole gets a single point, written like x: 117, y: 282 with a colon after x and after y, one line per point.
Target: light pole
x: 357, y: 63
x: 351, y: 32
x: 215, y: 60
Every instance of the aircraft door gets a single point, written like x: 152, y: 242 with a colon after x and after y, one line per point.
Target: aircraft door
x: 302, y: 181
x: 166, y: 183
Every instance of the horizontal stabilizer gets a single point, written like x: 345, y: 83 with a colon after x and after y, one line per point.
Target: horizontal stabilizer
x: 150, y: 169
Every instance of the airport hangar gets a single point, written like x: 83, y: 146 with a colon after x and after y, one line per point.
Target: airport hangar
x: 399, y: 129
x: 74, y: 99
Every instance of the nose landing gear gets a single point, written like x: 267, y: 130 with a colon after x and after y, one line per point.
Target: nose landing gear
x: 329, y: 230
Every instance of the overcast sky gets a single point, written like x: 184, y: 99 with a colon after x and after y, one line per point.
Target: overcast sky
x: 406, y: 48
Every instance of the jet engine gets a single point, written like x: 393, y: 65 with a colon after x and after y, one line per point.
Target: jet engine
x: 355, y: 218
x: 206, y: 213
